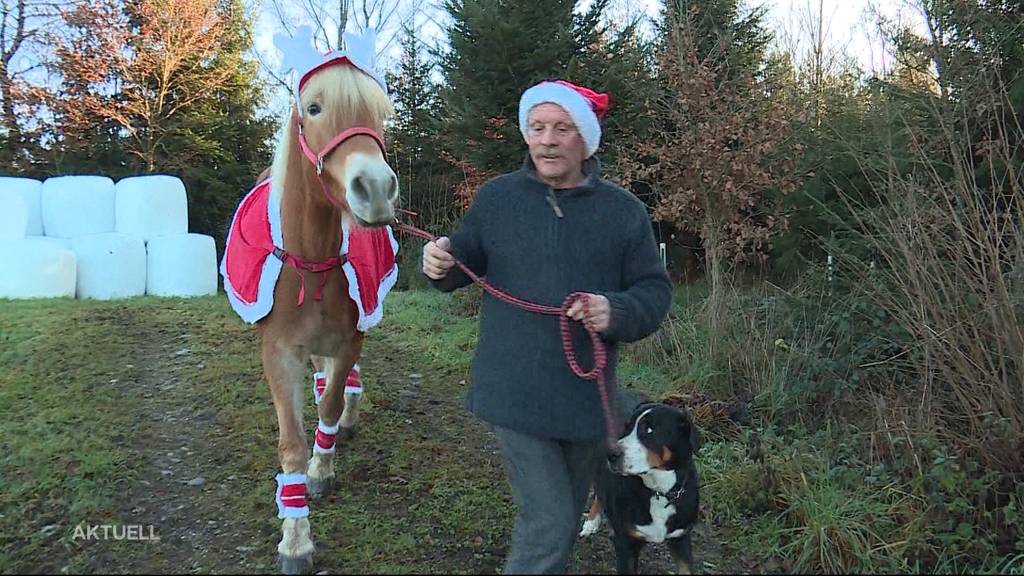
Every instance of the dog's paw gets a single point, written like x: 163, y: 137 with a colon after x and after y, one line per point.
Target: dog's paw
x: 590, y: 526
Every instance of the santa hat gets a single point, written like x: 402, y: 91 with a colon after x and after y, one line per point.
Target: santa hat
x: 586, y: 107
x: 298, y: 54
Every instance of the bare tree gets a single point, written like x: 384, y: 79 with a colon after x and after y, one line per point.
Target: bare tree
x: 20, y: 25
x: 817, y: 56
x: 145, y: 89
x: 332, y: 18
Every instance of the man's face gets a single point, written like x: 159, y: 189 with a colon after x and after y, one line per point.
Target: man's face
x: 556, y: 146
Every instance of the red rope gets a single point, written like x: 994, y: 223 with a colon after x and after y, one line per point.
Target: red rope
x: 595, y: 374
x: 298, y: 264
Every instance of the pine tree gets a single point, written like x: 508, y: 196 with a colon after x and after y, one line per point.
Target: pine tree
x: 414, y: 133
x: 730, y: 44
x: 222, y: 142
x: 498, y: 49
x: 620, y: 63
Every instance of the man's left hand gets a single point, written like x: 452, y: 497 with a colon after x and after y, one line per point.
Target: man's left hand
x: 599, y: 312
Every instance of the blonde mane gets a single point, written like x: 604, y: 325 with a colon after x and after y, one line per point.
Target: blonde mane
x: 349, y: 94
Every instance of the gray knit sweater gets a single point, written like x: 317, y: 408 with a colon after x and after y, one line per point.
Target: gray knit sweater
x: 540, y: 245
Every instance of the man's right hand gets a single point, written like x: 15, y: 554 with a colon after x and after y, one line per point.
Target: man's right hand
x: 437, y: 258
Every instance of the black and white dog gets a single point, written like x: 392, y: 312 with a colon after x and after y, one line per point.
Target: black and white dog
x: 649, y: 489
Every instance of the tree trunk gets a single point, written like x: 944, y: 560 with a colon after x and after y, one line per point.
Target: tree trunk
x: 716, y: 275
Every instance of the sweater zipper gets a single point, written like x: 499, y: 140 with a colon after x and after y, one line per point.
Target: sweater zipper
x: 553, y: 201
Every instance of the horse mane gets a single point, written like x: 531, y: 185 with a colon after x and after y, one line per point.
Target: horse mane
x: 343, y: 88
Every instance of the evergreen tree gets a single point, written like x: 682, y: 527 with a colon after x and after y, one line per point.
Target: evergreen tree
x: 221, y: 143
x: 421, y: 172
x: 498, y: 49
x: 729, y: 43
x: 620, y: 63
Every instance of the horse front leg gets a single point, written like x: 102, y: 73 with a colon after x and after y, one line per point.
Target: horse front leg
x: 284, y: 368
x: 332, y: 409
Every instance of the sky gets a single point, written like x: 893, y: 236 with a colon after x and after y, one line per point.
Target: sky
x: 850, y: 26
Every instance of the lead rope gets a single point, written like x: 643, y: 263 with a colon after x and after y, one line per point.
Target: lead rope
x: 595, y: 374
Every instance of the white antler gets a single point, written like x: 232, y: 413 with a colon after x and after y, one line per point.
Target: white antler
x: 298, y: 52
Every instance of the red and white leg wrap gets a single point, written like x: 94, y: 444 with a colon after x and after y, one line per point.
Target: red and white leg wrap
x: 291, y: 496
x: 354, y: 384
x: 319, y: 385
x: 325, y: 436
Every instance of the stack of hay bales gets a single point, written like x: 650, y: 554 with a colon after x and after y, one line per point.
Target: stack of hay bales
x: 87, y: 237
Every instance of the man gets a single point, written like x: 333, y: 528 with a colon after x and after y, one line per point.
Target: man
x: 551, y: 228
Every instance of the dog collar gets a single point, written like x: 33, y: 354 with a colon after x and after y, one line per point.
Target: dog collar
x: 672, y: 495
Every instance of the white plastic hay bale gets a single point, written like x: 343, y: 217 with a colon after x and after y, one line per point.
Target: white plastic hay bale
x: 110, y: 266
x: 34, y: 269
x: 13, y: 216
x: 77, y: 205
x: 30, y: 191
x: 181, y: 265
x: 151, y: 206
x: 57, y: 241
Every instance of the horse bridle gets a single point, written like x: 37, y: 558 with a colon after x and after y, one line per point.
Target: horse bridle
x: 317, y: 159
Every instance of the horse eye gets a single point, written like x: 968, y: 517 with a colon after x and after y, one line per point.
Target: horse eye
x: 313, y: 109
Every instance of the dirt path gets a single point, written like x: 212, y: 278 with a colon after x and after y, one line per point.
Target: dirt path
x: 421, y: 488
x: 177, y: 497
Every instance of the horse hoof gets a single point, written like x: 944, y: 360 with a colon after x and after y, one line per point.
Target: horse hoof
x: 346, y: 434
x: 320, y: 488
x: 298, y: 565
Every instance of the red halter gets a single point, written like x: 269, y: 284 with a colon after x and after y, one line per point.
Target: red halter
x: 317, y: 159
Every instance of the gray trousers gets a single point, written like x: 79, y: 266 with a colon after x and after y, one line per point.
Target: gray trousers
x: 550, y: 480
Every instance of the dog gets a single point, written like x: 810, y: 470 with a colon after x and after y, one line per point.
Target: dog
x: 649, y: 489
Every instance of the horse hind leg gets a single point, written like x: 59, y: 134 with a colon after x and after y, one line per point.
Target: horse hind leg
x: 284, y: 368
x: 336, y: 409
x: 353, y: 394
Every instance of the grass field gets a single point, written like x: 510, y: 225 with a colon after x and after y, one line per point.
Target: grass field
x: 153, y: 414
x: 112, y: 412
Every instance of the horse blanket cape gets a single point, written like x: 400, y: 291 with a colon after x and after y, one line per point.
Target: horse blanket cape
x: 250, y: 267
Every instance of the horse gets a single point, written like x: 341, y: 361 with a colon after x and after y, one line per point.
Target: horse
x: 340, y: 111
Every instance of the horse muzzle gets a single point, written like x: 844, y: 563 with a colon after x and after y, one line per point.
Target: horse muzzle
x: 371, y: 191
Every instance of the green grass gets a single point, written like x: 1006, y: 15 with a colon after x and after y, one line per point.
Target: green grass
x: 89, y: 392
x: 72, y: 387
x: 64, y: 426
